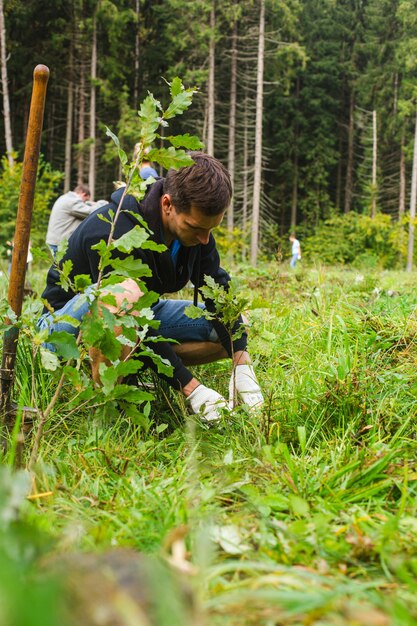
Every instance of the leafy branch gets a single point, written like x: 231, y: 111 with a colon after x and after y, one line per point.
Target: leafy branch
x: 226, y: 306
x: 119, y: 261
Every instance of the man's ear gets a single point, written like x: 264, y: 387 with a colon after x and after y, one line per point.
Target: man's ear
x: 166, y: 203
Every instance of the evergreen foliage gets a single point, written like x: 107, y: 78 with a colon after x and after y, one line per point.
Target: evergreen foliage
x: 328, y: 66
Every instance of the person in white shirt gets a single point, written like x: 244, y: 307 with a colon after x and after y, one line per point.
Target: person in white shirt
x: 295, y: 251
x: 67, y: 213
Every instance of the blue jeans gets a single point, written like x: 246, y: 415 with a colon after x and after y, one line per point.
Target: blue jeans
x: 294, y: 260
x: 174, y: 323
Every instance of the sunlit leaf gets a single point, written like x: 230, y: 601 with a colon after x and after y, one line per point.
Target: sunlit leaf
x: 134, y: 238
x: 50, y: 360
x: 171, y: 158
x: 131, y: 267
x: 190, y: 142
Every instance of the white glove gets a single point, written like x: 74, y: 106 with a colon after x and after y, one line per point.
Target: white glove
x: 243, y: 383
x: 207, y: 403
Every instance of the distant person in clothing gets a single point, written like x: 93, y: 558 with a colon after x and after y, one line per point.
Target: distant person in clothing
x: 146, y: 168
x: 9, y: 253
x: 295, y: 251
x: 67, y: 213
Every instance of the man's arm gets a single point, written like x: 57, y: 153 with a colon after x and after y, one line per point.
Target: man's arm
x: 243, y: 381
x: 210, y: 266
x: 81, y: 209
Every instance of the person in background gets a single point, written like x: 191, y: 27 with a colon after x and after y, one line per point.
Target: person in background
x: 146, y: 168
x: 67, y: 213
x: 295, y: 251
x: 181, y: 212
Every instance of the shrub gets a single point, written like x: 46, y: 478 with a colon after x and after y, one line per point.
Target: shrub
x: 45, y: 193
x: 359, y: 240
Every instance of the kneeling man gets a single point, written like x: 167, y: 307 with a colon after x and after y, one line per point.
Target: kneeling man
x: 181, y: 212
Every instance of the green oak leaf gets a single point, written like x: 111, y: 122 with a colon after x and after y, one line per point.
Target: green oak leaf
x: 163, y: 367
x: 147, y: 300
x: 82, y: 281
x: 110, y: 375
x: 104, y: 252
x: 180, y: 103
x: 65, y: 345
x: 190, y: 142
x: 194, y: 312
x: 64, y: 274
x: 152, y: 245
x: 130, y: 267
x: 94, y: 334
x: 122, y: 153
x: 50, y: 360
x: 128, y: 393
x: 175, y: 87
x: 171, y: 158
x: 134, y: 238
x: 150, y: 119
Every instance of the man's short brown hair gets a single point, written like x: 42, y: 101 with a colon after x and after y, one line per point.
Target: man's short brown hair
x: 205, y: 186
x: 81, y: 188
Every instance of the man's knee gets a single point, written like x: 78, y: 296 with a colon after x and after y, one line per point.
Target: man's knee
x: 200, y: 352
x: 126, y: 295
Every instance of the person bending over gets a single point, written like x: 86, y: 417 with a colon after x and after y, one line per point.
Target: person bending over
x: 181, y: 212
x: 67, y: 213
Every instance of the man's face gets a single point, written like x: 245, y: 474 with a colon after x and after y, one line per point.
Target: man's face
x: 191, y: 228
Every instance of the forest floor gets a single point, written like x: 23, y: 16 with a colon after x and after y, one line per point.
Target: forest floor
x: 304, y: 513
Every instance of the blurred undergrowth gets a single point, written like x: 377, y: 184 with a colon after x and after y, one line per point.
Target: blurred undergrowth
x: 305, y: 515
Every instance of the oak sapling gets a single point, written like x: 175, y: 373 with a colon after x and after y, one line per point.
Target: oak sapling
x: 124, y: 352
x: 225, y: 305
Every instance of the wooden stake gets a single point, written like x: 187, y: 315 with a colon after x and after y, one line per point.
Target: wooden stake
x: 21, y: 237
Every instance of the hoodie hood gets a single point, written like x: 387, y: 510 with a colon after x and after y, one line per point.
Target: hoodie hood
x: 147, y: 207
x: 129, y: 201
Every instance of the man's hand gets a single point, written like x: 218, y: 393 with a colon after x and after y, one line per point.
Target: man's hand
x: 243, y: 383
x: 207, y: 403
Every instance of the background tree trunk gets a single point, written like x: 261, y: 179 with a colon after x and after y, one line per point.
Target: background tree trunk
x: 294, y: 194
x: 70, y: 115
x: 137, y: 58
x: 413, y: 198
x: 338, y: 194
x: 245, y: 175
x: 349, y: 164
x: 81, y: 125
x: 92, y: 163
x: 5, y: 88
x: 256, y: 207
x: 231, y: 161
x: 374, y: 164
x: 211, y: 82
x: 401, y: 199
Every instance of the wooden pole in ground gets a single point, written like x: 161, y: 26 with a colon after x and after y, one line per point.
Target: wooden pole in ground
x: 21, y: 238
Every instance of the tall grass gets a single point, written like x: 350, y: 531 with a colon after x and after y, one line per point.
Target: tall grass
x: 304, y: 513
